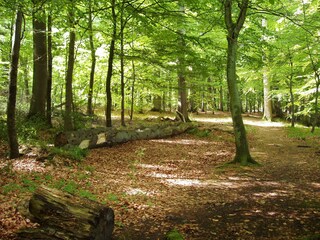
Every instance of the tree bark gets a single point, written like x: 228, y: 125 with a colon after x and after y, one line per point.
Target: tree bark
x: 110, y: 67
x: 13, y: 77
x: 50, y: 58
x: 182, y: 84
x: 65, y: 216
x: 242, y: 147
x: 68, y: 122
x: 93, y: 61
x: 40, y: 67
x: 122, y: 27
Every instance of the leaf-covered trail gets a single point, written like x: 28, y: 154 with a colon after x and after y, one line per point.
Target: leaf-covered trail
x: 181, y: 183
x: 175, y: 184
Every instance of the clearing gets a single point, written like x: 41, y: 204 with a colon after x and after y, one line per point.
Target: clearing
x: 181, y: 183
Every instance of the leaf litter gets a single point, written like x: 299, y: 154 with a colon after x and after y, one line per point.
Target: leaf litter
x: 183, y: 184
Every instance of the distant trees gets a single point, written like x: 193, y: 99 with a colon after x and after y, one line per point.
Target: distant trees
x: 133, y: 56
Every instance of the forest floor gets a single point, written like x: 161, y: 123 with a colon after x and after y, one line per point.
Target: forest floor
x: 183, y: 184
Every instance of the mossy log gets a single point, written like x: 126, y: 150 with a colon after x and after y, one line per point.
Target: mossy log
x: 99, y: 137
x: 64, y: 216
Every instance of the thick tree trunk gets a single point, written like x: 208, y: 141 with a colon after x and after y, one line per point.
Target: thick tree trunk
x: 242, y: 148
x: 93, y: 62
x: 68, y: 122
x: 110, y: 68
x: 182, y: 84
x: 13, y: 77
x: 40, y: 68
x: 64, y: 216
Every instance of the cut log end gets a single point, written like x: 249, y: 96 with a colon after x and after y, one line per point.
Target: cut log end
x: 64, y: 216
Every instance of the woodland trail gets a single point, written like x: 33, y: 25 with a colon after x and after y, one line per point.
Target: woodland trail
x: 187, y: 189
x: 182, y: 183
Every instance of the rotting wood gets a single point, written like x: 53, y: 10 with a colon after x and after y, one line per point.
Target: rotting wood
x: 64, y: 216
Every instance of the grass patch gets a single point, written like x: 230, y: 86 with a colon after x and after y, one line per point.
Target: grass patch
x: 302, y: 133
x: 174, y: 235
x: 74, y: 153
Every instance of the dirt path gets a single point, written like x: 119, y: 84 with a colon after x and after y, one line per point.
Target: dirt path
x: 175, y: 184
x: 181, y: 183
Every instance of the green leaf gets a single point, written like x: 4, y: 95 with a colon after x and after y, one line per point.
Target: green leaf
x: 271, y: 2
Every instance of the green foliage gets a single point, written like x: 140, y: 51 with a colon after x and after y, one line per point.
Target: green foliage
x: 174, y: 235
x: 300, y: 132
x: 112, y: 197
x: 312, y: 237
x: 11, y: 187
x: 3, y: 130
x: 72, y: 187
x: 74, y: 153
x: 201, y: 133
x: 29, y: 130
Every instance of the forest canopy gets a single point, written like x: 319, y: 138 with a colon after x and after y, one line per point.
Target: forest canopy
x: 92, y: 58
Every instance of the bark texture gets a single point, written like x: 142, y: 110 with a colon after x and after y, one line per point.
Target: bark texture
x: 100, y: 137
x: 64, y: 216
x: 13, y: 77
x: 242, y: 148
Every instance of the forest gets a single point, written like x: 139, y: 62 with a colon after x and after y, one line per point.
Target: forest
x: 189, y: 119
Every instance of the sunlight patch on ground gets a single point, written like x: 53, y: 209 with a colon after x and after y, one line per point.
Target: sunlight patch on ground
x: 184, y: 182
x: 25, y: 165
x: 161, y: 175
x: 315, y: 184
x: 259, y: 123
x: 181, y: 141
x: 138, y: 191
x: 156, y: 167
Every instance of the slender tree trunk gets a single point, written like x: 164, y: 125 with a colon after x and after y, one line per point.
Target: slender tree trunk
x: 110, y: 67
x: 93, y: 61
x: 40, y: 68
x: 122, y: 24
x: 242, y: 147
x: 221, y: 97
x: 316, y: 110
x: 290, y: 84
x: 13, y: 77
x: 50, y: 58
x: 68, y: 122
x: 267, y: 103
x: 132, y: 90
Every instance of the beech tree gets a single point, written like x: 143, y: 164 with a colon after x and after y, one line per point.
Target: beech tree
x: 11, y: 107
x: 233, y: 30
x: 40, y: 67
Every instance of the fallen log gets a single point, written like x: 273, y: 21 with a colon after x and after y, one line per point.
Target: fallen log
x: 99, y: 137
x: 64, y: 216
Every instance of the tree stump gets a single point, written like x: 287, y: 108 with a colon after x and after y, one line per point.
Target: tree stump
x: 66, y: 217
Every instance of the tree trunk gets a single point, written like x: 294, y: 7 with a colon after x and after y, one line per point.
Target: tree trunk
x: 182, y: 84
x: 13, y: 77
x: 242, y: 148
x: 68, y: 122
x: 290, y: 84
x: 122, y: 24
x: 50, y: 58
x: 65, y: 216
x: 132, y: 90
x: 40, y: 68
x: 93, y: 61
x: 110, y: 68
